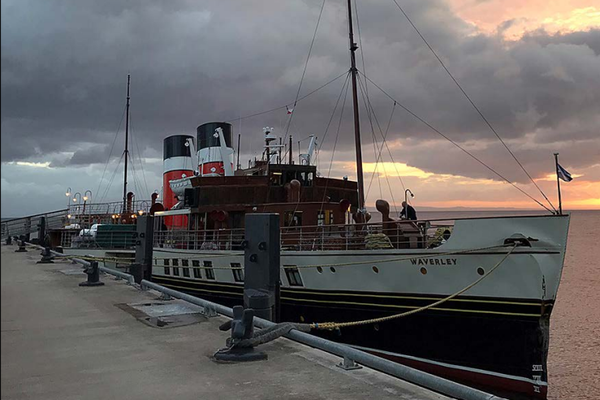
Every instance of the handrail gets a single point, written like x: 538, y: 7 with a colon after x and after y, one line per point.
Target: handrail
x: 34, y: 215
x: 128, y: 277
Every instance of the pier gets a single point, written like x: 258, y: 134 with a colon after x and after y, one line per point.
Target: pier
x: 63, y: 341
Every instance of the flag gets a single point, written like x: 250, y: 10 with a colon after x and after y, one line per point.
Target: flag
x: 563, y: 173
x: 289, y: 110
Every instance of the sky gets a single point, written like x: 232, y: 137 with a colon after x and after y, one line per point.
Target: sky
x: 531, y: 67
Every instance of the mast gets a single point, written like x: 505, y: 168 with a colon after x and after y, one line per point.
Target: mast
x: 357, y: 142
x: 126, y: 152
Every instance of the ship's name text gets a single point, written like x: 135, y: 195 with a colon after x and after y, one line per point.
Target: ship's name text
x: 433, y: 261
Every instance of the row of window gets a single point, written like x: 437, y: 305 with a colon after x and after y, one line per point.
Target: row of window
x: 291, y: 271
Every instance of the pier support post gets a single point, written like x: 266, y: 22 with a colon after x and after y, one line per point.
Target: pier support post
x: 93, y: 275
x: 261, y: 265
x: 144, y: 240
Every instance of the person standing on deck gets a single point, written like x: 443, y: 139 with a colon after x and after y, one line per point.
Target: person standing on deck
x: 408, y: 212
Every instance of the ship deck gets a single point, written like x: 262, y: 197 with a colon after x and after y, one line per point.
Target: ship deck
x: 62, y: 341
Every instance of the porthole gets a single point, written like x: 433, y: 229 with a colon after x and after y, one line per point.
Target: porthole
x: 424, y: 270
x: 320, y: 270
x: 332, y: 269
x: 480, y: 271
x: 375, y: 269
x: 376, y: 327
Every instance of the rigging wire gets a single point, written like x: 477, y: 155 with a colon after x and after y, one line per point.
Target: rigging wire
x: 473, y: 104
x: 367, y: 102
x: 111, y: 179
x: 111, y: 150
x: 334, y: 111
x: 312, y: 42
x: 139, y: 155
x: 284, y: 106
x: 335, y: 143
x: 454, y: 143
x: 384, y: 136
x: 362, y: 55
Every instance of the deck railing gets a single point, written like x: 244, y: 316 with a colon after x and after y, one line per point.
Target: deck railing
x: 390, y: 235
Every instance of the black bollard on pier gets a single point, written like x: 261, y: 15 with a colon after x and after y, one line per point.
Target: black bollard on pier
x: 47, y: 257
x: 21, y: 243
x: 240, y: 345
x: 93, y: 275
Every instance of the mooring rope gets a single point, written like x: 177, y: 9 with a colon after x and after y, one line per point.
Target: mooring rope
x: 338, y: 325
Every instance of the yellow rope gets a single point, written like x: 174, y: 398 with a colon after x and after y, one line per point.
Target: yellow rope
x: 335, y: 325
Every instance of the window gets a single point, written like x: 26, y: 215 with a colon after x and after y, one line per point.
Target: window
x: 292, y: 218
x: 167, y: 271
x: 238, y: 272
x: 175, y: 262
x: 186, y: 272
x: 197, y: 270
x: 325, y: 217
x: 185, y: 262
x: 176, y: 271
x: 293, y: 275
x: 210, y: 274
x: 166, y: 261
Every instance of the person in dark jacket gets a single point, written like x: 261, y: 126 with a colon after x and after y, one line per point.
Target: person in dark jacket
x: 408, y: 212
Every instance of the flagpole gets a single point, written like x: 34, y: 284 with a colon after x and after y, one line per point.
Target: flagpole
x: 558, y: 184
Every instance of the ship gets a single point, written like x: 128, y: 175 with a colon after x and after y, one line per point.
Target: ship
x: 482, y: 289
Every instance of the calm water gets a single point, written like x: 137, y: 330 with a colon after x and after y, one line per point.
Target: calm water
x: 574, y: 357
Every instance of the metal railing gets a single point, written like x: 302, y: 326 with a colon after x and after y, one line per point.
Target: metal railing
x: 110, y: 209
x: 373, y: 236
x: 30, y: 224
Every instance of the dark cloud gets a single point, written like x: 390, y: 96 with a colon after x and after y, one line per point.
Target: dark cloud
x: 64, y: 67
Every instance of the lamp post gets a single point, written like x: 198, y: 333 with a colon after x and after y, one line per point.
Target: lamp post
x: 75, y: 201
x: 85, y: 199
x: 68, y: 194
x: 406, y: 192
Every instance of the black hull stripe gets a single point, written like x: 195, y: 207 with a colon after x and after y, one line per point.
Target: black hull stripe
x: 330, y: 302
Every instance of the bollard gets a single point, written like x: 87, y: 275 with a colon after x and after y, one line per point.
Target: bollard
x: 242, y: 329
x: 21, y: 248
x: 261, y: 265
x: 93, y: 275
x: 47, y: 256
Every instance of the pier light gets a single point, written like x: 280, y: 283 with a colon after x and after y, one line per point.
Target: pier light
x: 75, y: 197
x: 85, y: 195
x: 141, y: 212
x: 69, y: 216
x: 68, y: 192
